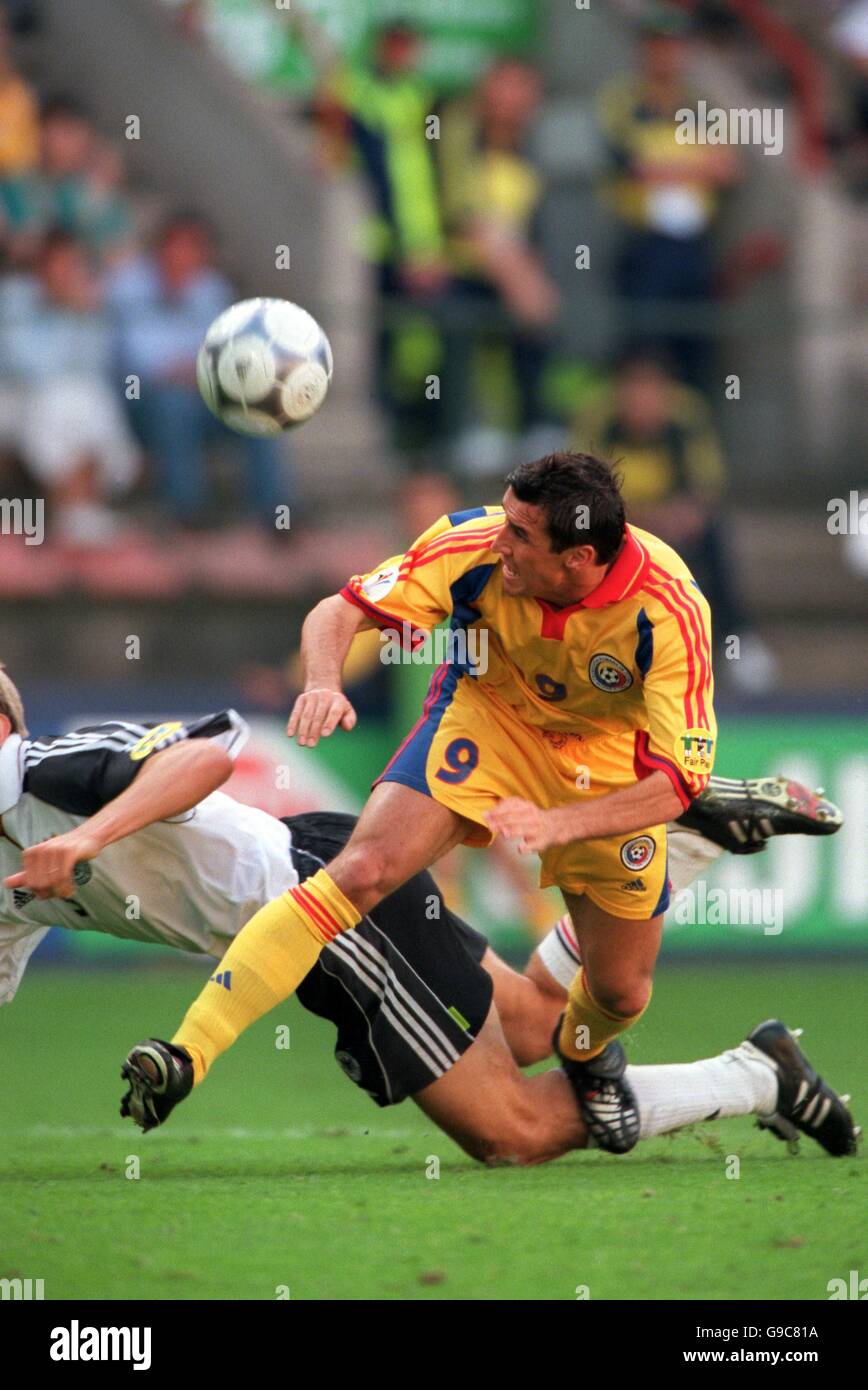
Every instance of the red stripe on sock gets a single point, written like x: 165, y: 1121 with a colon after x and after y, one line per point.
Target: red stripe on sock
x: 329, y: 928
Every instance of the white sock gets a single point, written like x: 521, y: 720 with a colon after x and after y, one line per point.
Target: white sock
x: 690, y: 854
x: 740, y: 1082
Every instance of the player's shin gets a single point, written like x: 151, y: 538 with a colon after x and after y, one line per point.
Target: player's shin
x: 266, y: 963
x: 739, y: 1082
x: 587, y: 1027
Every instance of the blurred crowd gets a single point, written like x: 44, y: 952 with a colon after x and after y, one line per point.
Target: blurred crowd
x: 99, y: 326
x: 469, y: 309
x: 99, y: 331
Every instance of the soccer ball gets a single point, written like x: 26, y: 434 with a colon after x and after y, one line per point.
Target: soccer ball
x: 264, y: 366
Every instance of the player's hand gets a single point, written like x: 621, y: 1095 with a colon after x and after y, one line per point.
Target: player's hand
x: 533, y: 829
x: 47, y: 869
x: 317, y: 713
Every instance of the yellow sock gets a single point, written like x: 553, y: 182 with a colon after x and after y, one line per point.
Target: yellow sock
x: 587, y: 1027
x: 266, y: 963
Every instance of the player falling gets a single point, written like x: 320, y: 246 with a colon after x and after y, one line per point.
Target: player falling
x: 422, y: 1005
x: 588, y: 727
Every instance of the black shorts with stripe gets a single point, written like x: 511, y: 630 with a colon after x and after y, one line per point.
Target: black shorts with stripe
x: 404, y: 988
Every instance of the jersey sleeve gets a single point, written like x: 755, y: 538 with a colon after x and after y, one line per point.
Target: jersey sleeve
x: 82, y: 771
x: 412, y: 593
x: 682, y: 733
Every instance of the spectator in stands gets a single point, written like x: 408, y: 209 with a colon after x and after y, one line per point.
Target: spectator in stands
x: 378, y: 109
x: 59, y: 407
x: 76, y: 187
x: 660, y: 435
x: 850, y: 36
x: 19, y: 115
x: 666, y: 194
x: 163, y: 304
x: 492, y: 193
x: 23, y: 16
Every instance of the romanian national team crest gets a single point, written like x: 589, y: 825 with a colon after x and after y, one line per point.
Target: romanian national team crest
x: 636, y: 854
x: 609, y: 674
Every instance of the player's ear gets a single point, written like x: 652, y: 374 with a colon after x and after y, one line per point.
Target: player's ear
x: 579, y: 557
x: 5, y: 728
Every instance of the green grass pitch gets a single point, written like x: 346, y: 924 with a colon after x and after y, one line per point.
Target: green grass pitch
x: 279, y: 1174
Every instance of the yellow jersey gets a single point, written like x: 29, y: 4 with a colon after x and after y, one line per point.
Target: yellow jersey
x: 632, y: 657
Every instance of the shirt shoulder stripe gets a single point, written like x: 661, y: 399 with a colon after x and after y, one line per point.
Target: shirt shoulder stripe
x: 465, y: 541
x: 692, y: 664
x: 695, y: 642
x: 700, y: 639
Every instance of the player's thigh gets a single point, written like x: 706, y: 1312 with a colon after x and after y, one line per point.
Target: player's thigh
x: 618, y: 953
x: 497, y: 1114
x: 478, y: 1102
x: 399, y: 832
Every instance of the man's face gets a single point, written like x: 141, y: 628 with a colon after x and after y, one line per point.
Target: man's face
x: 664, y: 56
x: 529, y: 565
x: 66, y: 275
x: 183, y: 253
x: 398, y: 51
x: 510, y: 93
x: 67, y: 143
x: 643, y: 393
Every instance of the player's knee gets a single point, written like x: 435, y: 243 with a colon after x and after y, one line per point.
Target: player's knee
x: 624, y: 998
x: 363, y: 873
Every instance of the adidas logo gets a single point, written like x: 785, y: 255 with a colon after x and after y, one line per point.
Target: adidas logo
x: 223, y: 977
x: 635, y: 885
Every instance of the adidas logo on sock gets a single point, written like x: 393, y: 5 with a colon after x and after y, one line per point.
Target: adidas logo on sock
x: 223, y: 977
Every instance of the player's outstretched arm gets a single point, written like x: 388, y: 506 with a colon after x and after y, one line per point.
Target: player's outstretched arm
x: 170, y: 782
x: 326, y: 637
x: 651, y: 801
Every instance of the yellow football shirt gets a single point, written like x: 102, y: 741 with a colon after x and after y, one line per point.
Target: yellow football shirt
x: 633, y: 657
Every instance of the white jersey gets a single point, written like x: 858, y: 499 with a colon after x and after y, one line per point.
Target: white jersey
x: 190, y: 882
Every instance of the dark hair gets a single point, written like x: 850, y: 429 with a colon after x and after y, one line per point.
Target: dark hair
x: 185, y: 219
x: 397, y: 28
x: 561, y: 483
x: 645, y: 353
x: 57, y: 238
x: 66, y: 107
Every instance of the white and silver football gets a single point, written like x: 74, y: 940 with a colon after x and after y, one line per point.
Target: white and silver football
x: 264, y: 366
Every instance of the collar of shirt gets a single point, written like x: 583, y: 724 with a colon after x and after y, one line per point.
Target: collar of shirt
x: 625, y: 576
x: 11, y: 772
